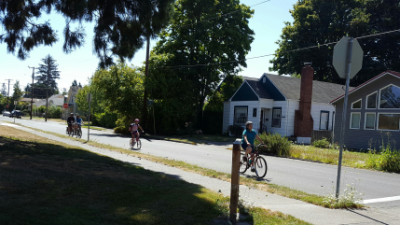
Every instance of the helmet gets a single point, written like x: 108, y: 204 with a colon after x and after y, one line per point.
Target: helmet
x: 71, y: 114
x: 136, y: 120
x: 248, y: 123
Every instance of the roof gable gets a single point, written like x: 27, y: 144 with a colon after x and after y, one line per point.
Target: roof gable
x: 391, y: 73
x: 245, y: 93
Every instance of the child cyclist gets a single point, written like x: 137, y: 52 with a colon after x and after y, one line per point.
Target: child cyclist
x: 248, y: 142
x: 133, y: 128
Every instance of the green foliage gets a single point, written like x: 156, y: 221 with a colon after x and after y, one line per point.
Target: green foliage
x: 276, y: 144
x: 54, y: 112
x: 318, y: 22
x: 212, y: 122
x: 120, y: 26
x: 187, y: 42
x: 47, y: 74
x: 121, y: 130
x: 105, y: 119
x: 123, y: 90
x: 228, y: 87
x: 324, y: 143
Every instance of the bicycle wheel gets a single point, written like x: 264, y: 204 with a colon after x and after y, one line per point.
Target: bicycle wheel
x: 261, y: 167
x: 243, y: 164
x: 66, y: 131
x: 139, y: 144
x: 79, y: 133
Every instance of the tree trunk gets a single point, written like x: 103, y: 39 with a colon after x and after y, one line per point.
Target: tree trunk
x: 144, y: 115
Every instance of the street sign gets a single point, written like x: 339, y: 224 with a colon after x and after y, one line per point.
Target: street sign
x: 340, y: 55
x: 89, y: 97
x: 65, y: 106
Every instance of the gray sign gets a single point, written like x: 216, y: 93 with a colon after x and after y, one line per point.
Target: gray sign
x: 340, y: 55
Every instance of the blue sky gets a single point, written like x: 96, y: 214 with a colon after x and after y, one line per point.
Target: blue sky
x: 267, y: 23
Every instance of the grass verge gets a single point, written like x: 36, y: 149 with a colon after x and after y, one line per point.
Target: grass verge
x: 64, y: 184
x: 261, y: 185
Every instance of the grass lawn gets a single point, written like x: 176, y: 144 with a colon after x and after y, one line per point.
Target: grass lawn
x: 48, y: 182
x: 331, y: 156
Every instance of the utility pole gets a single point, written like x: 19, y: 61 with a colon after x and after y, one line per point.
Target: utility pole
x: 33, y: 77
x: 8, y: 93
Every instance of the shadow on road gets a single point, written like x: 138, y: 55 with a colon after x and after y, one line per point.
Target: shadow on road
x: 377, y: 221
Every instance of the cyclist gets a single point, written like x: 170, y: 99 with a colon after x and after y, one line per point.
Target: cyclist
x: 70, y: 121
x: 79, y: 121
x: 248, y: 142
x: 133, y: 128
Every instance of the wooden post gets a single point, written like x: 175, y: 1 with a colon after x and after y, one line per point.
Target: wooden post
x: 235, y: 181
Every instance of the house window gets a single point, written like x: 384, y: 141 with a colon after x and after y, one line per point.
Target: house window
x: 356, y: 104
x: 276, y: 117
x: 390, y: 97
x: 254, y: 112
x: 324, y: 119
x: 388, y: 121
x: 369, y: 121
x: 355, y: 119
x: 240, y: 115
x: 371, y: 101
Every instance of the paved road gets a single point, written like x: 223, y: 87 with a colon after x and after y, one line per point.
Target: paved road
x: 315, y: 178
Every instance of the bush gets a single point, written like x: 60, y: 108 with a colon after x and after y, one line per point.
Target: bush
x: 105, y: 119
x: 121, y: 130
x: 276, y: 144
x: 83, y: 118
x: 324, y: 143
x: 390, y: 160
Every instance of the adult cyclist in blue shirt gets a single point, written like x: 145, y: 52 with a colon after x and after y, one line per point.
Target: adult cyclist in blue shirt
x: 248, y: 142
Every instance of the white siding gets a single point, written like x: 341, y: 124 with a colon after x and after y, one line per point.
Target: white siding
x: 316, y: 109
x: 250, y: 105
x: 225, y: 121
x: 281, y: 130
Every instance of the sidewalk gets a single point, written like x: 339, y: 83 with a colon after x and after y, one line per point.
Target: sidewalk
x: 253, y: 197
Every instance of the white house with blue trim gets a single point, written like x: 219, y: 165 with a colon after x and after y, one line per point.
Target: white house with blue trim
x: 271, y: 102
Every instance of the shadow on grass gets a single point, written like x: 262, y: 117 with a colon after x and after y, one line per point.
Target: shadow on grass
x: 51, y: 184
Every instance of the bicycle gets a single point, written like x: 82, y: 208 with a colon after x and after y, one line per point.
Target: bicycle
x: 138, y: 143
x: 77, y: 131
x: 260, y: 164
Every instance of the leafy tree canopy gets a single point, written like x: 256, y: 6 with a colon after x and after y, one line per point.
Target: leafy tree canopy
x: 318, y: 22
x: 199, y: 34
x: 119, y: 30
x: 122, y: 87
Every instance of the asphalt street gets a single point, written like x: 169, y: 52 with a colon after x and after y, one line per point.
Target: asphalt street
x: 315, y: 178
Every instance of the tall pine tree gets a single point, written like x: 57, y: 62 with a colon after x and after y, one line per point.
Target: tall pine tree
x: 47, y: 74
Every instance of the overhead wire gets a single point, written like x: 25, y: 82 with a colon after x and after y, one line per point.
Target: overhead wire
x: 273, y: 54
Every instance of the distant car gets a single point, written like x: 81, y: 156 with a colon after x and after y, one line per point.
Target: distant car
x: 16, y: 113
x: 6, y: 113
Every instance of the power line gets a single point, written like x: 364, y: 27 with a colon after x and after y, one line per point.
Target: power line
x: 273, y: 54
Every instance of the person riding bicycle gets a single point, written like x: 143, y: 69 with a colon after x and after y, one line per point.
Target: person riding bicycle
x: 133, y: 128
x: 248, y: 142
x: 79, y: 121
x: 70, y: 121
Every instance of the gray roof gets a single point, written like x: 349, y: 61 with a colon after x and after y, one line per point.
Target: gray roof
x: 323, y: 92
x: 258, y: 88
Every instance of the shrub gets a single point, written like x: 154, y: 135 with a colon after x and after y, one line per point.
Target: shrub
x: 390, y: 160
x: 121, y: 130
x: 276, y: 144
x: 324, y: 143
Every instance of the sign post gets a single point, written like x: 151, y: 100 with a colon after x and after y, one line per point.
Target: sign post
x: 89, y: 99
x: 347, y: 61
x: 15, y: 107
x: 235, y: 182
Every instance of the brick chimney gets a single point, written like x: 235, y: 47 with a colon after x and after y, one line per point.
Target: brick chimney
x: 304, y: 123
